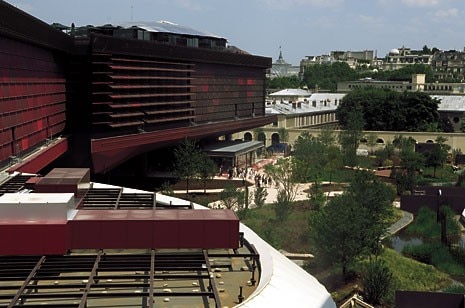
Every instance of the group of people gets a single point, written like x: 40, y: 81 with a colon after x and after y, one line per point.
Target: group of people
x: 260, y: 179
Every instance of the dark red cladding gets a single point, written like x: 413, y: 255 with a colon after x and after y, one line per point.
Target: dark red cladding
x: 123, y: 229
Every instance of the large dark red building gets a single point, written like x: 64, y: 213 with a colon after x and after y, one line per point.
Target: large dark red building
x: 114, y: 92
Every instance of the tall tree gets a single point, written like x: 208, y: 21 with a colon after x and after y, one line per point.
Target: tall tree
x: 437, y: 157
x: 338, y: 230
x: 350, y: 226
x: 387, y: 110
x: 326, y: 76
x: 411, y: 163
x: 349, y: 139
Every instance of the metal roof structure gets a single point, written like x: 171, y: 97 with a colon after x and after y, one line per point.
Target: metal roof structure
x: 316, y: 102
x: 232, y: 148
x: 290, y: 92
x: 253, y: 275
x: 450, y: 102
x: 166, y: 27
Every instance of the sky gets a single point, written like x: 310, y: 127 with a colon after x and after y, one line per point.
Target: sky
x: 298, y: 28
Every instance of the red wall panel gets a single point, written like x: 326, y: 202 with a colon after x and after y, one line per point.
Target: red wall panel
x: 33, y: 239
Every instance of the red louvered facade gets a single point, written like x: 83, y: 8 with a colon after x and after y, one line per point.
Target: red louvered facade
x: 118, y: 97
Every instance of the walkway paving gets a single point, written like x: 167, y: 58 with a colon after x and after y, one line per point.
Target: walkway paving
x: 403, y: 222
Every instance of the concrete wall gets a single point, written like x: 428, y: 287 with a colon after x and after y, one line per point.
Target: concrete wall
x: 455, y: 140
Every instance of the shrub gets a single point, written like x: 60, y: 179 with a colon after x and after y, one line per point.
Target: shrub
x: 376, y: 281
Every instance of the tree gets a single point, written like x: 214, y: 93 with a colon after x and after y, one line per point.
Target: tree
x: 207, y: 169
x: 337, y: 231
x: 283, y: 135
x: 309, y: 158
x: 282, y: 206
x: 231, y: 197
x: 291, y: 82
x: 371, y: 141
x: 333, y: 161
x: 326, y: 76
x: 259, y: 196
x: 327, y: 136
x: 426, y: 50
x: 187, y: 160
x: 437, y: 157
x: 282, y: 174
x: 411, y: 163
x: 350, y: 226
x: 375, y: 198
x: 316, y: 196
x: 349, y: 139
x: 387, y: 110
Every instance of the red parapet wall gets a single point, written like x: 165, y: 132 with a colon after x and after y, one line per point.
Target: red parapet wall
x: 37, y: 161
x: 123, y: 229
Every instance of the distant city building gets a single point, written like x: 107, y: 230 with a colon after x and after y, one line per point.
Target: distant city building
x: 417, y: 83
x: 353, y: 58
x: 281, y: 68
x: 402, y: 57
x: 296, y: 108
x: 449, y: 65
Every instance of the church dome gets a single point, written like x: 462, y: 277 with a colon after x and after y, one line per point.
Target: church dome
x: 394, y: 51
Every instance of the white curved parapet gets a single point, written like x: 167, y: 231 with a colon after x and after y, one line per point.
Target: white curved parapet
x: 282, y: 282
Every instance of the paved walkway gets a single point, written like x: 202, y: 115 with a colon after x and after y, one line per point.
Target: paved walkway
x: 403, y: 222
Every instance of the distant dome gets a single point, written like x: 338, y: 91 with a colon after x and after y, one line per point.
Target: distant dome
x: 394, y: 51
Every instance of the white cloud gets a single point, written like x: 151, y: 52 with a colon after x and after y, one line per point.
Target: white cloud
x: 369, y: 19
x: 190, y: 5
x: 420, y: 3
x: 440, y: 14
x: 283, y: 4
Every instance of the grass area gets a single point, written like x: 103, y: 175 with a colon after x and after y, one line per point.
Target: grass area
x: 290, y: 235
x: 409, y: 274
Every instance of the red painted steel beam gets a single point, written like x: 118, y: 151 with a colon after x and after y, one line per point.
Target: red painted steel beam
x: 107, y: 153
x: 40, y: 159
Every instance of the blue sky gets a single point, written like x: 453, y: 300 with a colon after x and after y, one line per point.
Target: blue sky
x: 300, y: 27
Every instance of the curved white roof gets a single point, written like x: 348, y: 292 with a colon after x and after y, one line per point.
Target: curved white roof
x: 283, y: 283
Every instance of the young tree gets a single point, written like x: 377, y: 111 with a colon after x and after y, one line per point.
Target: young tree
x: 187, y: 157
x: 327, y: 136
x: 259, y: 196
x: 316, y: 196
x: 282, y: 206
x: 231, y: 197
x: 282, y: 174
x: 207, y: 169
